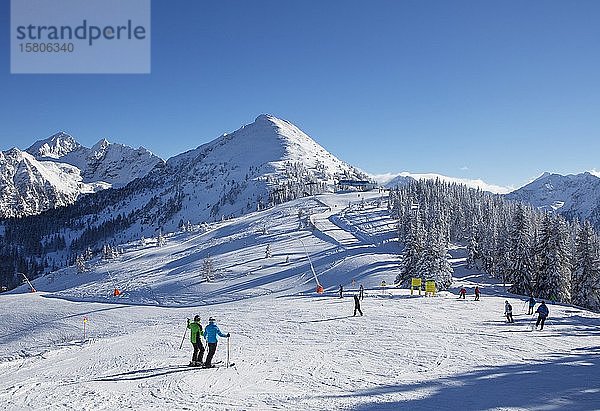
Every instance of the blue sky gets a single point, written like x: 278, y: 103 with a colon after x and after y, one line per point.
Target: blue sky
x: 495, y: 90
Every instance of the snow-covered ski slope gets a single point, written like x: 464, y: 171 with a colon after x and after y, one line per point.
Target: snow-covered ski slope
x: 293, y: 349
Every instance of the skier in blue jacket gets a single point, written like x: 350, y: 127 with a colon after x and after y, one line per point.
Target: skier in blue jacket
x: 531, y: 305
x: 210, y: 333
x: 542, y: 314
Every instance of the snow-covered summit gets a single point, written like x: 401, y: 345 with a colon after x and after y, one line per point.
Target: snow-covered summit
x: 55, y: 171
x: 265, y: 162
x: 268, y: 141
x: 573, y: 195
x: 55, y: 146
x: 29, y: 186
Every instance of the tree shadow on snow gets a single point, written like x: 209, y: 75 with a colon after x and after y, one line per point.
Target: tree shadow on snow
x: 558, y: 382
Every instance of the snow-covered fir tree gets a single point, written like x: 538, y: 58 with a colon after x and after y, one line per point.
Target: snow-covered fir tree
x: 585, y: 287
x: 268, y: 251
x: 414, y: 246
x: 208, y: 269
x: 160, y: 239
x: 553, y: 280
x: 521, y: 269
x: 80, y: 263
x: 435, y: 263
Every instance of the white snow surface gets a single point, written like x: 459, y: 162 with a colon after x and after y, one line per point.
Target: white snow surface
x: 292, y: 348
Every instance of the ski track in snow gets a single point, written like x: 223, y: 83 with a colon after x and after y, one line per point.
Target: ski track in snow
x: 293, y: 349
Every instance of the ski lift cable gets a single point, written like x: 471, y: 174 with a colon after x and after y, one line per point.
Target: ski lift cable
x: 310, y: 262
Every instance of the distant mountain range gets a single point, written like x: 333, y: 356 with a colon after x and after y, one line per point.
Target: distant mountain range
x: 56, y: 171
x: 69, y: 199
x: 576, y: 196
x: 265, y: 162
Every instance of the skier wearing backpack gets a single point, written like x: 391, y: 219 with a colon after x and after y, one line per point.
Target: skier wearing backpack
x: 508, y: 311
x: 542, y: 314
x: 531, y: 305
x: 210, y: 333
x: 462, y: 293
x: 195, y: 338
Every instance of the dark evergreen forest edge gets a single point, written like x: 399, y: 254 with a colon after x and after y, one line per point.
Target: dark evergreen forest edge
x: 539, y: 253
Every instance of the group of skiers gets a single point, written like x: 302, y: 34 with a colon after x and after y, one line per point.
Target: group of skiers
x: 210, y: 334
x: 462, y: 293
x: 542, y: 312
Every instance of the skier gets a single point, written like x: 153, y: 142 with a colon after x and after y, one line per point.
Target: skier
x: 341, y: 291
x: 210, y: 333
x: 195, y: 333
x: 361, y: 292
x: 531, y: 305
x: 357, y: 305
x: 477, y: 292
x: 462, y: 293
x: 508, y: 311
x: 542, y: 314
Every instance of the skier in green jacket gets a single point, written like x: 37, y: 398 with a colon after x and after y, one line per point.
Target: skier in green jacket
x: 196, y: 340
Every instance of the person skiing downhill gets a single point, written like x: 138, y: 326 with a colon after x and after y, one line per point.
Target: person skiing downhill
x: 210, y: 333
x: 508, y: 311
x: 462, y: 293
x: 542, y: 314
x: 361, y: 292
x: 477, y: 292
x: 357, y: 305
x: 195, y: 338
x: 341, y: 291
x: 531, y: 305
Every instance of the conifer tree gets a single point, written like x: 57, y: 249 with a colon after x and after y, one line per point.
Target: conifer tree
x: 554, y: 270
x: 520, y: 267
x: 585, y: 291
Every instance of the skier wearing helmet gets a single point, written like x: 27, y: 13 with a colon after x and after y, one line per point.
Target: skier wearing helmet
x: 196, y: 340
x: 210, y: 333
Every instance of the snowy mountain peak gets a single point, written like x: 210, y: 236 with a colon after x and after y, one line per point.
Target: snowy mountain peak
x: 573, y: 195
x: 101, y: 145
x: 264, y: 117
x: 544, y: 175
x: 55, y: 171
x: 55, y: 146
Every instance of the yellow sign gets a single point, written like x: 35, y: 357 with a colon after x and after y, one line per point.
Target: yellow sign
x: 415, y: 285
x: 430, y: 287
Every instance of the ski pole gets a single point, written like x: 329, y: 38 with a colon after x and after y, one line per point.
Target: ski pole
x: 531, y: 321
x: 183, y: 339
x: 228, y: 344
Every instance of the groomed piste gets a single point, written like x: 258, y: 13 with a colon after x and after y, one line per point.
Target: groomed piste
x: 292, y: 347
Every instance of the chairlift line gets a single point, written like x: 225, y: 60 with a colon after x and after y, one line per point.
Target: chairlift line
x: 310, y: 262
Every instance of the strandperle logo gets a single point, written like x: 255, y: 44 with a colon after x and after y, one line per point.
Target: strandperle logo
x: 80, y: 36
x: 85, y: 31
